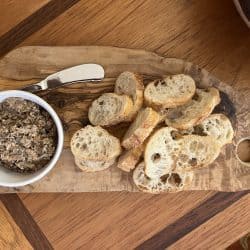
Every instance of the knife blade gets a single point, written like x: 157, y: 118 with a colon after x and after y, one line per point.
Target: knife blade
x: 81, y: 73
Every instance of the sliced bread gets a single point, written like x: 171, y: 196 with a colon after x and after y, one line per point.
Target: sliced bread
x: 195, y: 111
x: 161, y: 152
x: 110, y: 109
x: 95, y: 144
x: 128, y: 160
x: 141, y: 128
x: 196, y: 152
x: 163, y: 115
x: 170, y: 92
x: 218, y: 126
x: 170, y: 182
x: 131, y: 84
x: 93, y: 166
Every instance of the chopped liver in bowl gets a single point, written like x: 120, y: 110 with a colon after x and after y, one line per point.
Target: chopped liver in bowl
x: 28, y: 135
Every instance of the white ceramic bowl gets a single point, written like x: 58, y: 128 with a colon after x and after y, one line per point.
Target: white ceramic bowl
x: 9, y: 178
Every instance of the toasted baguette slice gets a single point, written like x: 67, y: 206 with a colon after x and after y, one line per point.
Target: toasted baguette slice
x: 141, y: 128
x: 95, y: 144
x: 93, y: 166
x: 171, y: 182
x: 131, y: 84
x: 195, y: 111
x: 170, y: 92
x: 196, y: 152
x: 218, y: 126
x: 128, y: 160
x: 161, y: 152
x: 110, y: 109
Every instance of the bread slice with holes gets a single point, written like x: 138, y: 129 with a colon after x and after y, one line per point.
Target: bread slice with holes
x: 171, y: 182
x: 161, y: 152
x: 93, y: 166
x: 167, y: 150
x: 141, y: 128
x: 217, y: 126
x: 196, y: 152
x: 128, y: 160
x: 95, y: 144
x: 131, y: 84
x: 110, y: 109
x: 195, y: 111
x: 170, y: 92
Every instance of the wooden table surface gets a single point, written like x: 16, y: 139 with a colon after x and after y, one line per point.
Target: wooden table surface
x: 208, y: 33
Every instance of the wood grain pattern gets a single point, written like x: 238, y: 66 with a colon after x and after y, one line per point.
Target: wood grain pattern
x: 23, y: 219
x: 213, y: 232
x: 196, y: 217
x: 72, y: 102
x: 11, y: 236
x: 208, y: 33
x: 190, y: 30
x: 13, y: 12
x: 117, y: 221
x: 32, y: 23
x: 92, y: 19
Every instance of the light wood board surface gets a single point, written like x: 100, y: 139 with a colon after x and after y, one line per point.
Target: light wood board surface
x: 208, y: 33
x: 71, y: 103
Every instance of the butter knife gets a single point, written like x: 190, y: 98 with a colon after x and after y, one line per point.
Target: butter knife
x: 80, y: 73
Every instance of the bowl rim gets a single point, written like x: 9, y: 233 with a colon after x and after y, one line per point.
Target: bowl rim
x: 60, y: 137
x: 241, y: 12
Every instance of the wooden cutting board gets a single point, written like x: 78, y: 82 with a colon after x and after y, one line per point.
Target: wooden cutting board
x: 26, y: 65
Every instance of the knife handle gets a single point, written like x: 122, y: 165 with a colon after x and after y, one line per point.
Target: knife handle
x: 32, y: 88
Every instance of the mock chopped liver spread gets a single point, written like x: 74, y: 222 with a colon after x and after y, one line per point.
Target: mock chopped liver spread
x: 28, y: 135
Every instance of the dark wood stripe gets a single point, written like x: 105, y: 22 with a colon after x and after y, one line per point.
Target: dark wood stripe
x: 191, y: 220
x: 34, y: 22
x: 24, y: 220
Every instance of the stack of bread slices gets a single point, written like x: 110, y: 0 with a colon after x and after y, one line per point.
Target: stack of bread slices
x: 172, y: 131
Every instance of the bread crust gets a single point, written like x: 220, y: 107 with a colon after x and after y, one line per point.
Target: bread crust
x: 140, y: 129
x: 172, y: 182
x: 168, y: 150
x: 93, y: 166
x: 197, y: 152
x: 109, y: 143
x: 128, y: 160
x: 98, y: 116
x: 135, y: 91
x: 161, y: 152
x: 158, y: 95
x: 187, y: 116
x: 218, y: 126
